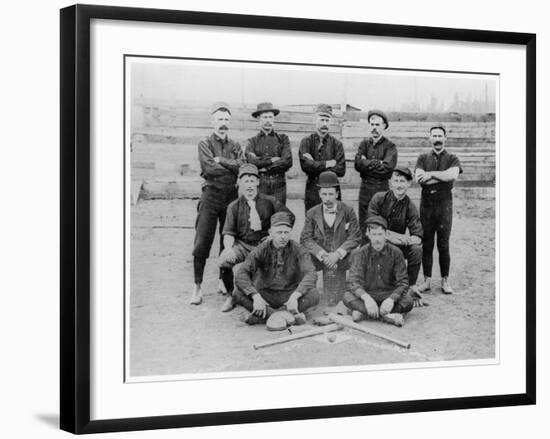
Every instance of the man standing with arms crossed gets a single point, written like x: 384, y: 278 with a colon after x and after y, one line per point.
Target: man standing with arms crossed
x: 375, y: 159
x: 270, y: 152
x: 320, y: 152
x: 435, y: 172
x: 220, y: 159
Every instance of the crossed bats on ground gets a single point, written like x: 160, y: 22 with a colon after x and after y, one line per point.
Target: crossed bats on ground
x: 335, y: 322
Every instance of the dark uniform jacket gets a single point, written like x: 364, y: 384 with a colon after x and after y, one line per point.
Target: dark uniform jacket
x: 286, y: 269
x: 347, y: 235
x: 400, y: 214
x: 237, y: 219
x: 265, y: 147
x: 381, y: 158
x: 381, y: 274
x: 224, y: 173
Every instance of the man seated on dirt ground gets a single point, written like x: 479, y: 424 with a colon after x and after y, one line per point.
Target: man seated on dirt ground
x: 401, y: 214
x: 330, y: 233
x: 278, y: 274
x: 378, y: 286
x: 246, y: 224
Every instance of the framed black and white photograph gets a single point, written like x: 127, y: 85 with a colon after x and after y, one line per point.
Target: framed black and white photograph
x: 339, y: 213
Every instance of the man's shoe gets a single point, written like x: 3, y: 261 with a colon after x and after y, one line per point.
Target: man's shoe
x: 446, y: 286
x: 394, y: 318
x: 357, y: 316
x: 300, y: 319
x: 196, y: 297
x: 426, y: 285
x: 228, y: 305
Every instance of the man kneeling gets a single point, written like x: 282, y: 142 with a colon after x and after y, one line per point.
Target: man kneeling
x: 277, y: 274
x: 378, y: 281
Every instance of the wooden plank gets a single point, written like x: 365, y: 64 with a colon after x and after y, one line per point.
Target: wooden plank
x: 353, y: 144
x: 474, y: 133
x: 420, y: 116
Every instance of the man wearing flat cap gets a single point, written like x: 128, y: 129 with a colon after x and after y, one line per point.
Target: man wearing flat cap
x: 270, y: 152
x: 246, y: 224
x: 220, y: 158
x: 404, y: 225
x: 320, y: 152
x: 436, y: 172
x: 377, y: 284
x: 276, y: 274
x: 375, y: 159
x: 330, y: 233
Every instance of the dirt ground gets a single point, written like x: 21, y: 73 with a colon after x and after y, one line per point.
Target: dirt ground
x: 169, y: 336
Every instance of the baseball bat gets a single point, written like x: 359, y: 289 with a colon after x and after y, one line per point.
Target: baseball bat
x: 349, y: 324
x: 299, y: 335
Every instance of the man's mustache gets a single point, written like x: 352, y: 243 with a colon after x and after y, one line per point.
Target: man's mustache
x: 375, y: 131
x: 438, y: 143
x: 324, y: 127
x: 223, y: 127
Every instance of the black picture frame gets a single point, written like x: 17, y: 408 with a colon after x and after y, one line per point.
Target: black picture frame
x: 75, y: 217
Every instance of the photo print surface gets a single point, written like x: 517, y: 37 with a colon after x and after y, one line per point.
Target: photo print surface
x: 285, y: 218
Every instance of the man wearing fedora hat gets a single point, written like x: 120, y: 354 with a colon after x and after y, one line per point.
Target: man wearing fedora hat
x: 320, y: 152
x: 330, y: 233
x: 278, y: 273
x: 270, y: 152
x: 377, y: 285
x: 402, y: 216
x: 246, y: 224
x: 436, y: 171
x: 375, y: 159
x: 220, y: 158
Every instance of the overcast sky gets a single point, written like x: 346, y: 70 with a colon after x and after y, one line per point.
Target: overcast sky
x: 248, y: 84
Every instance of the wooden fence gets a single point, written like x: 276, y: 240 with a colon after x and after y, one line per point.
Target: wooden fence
x: 165, y: 137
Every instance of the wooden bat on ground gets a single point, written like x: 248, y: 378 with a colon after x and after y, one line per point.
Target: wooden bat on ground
x: 299, y: 335
x: 350, y: 324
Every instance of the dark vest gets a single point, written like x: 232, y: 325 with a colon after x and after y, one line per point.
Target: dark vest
x: 328, y: 244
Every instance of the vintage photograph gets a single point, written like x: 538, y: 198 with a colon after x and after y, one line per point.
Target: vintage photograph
x: 284, y: 217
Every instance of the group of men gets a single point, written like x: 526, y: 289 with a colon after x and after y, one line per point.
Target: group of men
x: 370, y: 262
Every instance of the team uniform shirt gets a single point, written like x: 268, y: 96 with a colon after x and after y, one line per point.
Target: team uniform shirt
x: 265, y: 146
x: 381, y: 158
x: 222, y: 174
x: 322, y: 150
x: 237, y: 220
x: 400, y: 214
x: 277, y: 270
x: 431, y: 161
x: 381, y: 273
